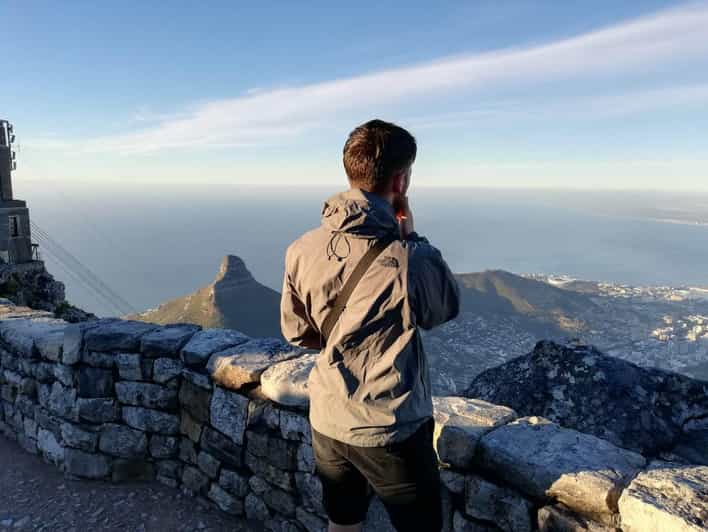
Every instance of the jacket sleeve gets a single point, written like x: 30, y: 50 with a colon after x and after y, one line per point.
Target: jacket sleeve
x: 295, y: 323
x: 432, y: 288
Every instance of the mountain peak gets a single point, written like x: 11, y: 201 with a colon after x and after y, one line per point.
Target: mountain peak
x: 233, y: 300
x: 233, y: 268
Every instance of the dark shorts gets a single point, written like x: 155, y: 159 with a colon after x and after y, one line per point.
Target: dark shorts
x: 404, y: 475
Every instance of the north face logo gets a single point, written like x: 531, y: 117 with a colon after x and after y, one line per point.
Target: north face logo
x: 388, y: 262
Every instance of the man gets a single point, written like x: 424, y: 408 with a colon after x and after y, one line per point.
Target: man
x: 370, y: 398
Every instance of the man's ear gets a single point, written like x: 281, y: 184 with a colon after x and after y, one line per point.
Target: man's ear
x: 399, y: 183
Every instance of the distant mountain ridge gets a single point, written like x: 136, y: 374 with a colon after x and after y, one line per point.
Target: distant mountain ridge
x: 537, y: 303
x: 499, y: 290
x: 233, y: 300
x: 457, y: 352
x: 502, y: 316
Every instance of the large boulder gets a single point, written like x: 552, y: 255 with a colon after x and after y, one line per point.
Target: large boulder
x: 549, y: 462
x: 200, y: 347
x: 636, y: 408
x: 459, y: 425
x: 116, y: 335
x: 666, y: 497
x: 286, y: 382
x: 167, y: 341
x: 22, y: 335
x: 243, y: 364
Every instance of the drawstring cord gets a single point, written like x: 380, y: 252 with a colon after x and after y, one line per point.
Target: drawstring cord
x: 333, y: 245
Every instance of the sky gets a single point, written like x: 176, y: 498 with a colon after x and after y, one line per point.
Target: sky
x: 574, y: 94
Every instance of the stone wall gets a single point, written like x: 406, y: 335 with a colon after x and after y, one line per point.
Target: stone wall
x: 223, y: 417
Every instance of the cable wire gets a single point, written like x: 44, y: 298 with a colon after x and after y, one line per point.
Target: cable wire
x: 81, y: 272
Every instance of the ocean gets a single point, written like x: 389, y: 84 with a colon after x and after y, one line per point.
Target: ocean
x: 150, y: 243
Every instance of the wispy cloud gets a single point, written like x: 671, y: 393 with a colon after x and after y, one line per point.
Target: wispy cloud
x: 144, y: 114
x: 592, y: 107
x: 638, y: 101
x: 634, y: 46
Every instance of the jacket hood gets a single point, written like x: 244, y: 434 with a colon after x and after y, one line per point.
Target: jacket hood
x: 359, y: 214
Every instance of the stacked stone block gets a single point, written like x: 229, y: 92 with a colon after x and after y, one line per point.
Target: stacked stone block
x: 223, y: 417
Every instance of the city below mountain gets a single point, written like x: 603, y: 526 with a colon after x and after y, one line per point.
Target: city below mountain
x: 503, y: 315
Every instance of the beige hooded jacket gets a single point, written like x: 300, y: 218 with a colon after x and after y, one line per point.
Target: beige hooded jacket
x: 370, y: 385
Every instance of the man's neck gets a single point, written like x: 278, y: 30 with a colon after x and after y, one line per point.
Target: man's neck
x: 388, y: 197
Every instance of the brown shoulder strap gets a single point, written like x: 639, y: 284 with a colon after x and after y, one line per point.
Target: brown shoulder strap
x: 340, y: 303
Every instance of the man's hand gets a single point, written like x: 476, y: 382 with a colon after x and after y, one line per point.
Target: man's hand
x: 404, y: 215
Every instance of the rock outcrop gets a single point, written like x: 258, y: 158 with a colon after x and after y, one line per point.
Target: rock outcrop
x: 461, y: 423
x: 233, y: 300
x: 667, y: 496
x: 548, y: 462
x: 286, y: 383
x: 243, y: 364
x: 31, y: 285
x: 646, y: 410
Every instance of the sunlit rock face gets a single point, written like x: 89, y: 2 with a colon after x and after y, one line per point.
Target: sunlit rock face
x: 667, y: 496
x: 646, y: 410
x: 233, y: 270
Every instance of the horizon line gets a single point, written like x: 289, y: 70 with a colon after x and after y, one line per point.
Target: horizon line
x: 540, y: 187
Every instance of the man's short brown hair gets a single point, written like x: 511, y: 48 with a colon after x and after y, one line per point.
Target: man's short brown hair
x: 375, y: 151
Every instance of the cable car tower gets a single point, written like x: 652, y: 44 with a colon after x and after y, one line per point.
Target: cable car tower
x: 15, y: 239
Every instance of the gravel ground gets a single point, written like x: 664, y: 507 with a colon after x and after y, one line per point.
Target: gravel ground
x: 36, y: 496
